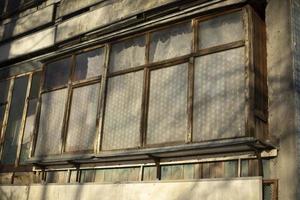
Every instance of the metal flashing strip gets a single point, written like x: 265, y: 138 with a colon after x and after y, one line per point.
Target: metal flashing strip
x: 205, y: 148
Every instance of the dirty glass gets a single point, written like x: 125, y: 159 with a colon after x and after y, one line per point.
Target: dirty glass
x: 123, y: 111
x: 35, y: 85
x: 2, y: 113
x: 89, y: 64
x: 221, y: 30
x: 149, y: 173
x: 167, y: 119
x: 51, y: 123
x: 57, y: 177
x: 117, y: 174
x: 12, y: 133
x: 4, y: 87
x: 219, y: 96
x: 127, y: 54
x: 230, y: 169
x: 82, y: 121
x: 57, y: 73
x: 170, y: 43
x: 28, y: 130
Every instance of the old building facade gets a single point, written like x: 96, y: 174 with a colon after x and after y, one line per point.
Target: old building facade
x: 150, y: 99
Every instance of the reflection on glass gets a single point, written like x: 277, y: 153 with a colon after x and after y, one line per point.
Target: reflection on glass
x: 89, y: 64
x: 221, y: 30
x: 170, y: 43
x: 57, y: 73
x: 127, y: 54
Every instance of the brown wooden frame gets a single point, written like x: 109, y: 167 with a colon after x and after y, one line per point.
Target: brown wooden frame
x: 189, y: 58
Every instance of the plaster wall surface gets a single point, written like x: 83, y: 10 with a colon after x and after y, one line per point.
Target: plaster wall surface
x: 234, y: 189
x: 282, y: 104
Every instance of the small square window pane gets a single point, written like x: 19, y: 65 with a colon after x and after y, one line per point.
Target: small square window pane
x: 123, y: 111
x: 57, y: 73
x: 219, y: 95
x: 28, y: 131
x: 57, y: 177
x: 4, y: 87
x: 83, y: 116
x: 221, y: 30
x: 51, y: 123
x: 170, y: 43
x: 167, y: 119
x: 89, y: 64
x: 12, y: 133
x: 127, y: 54
x: 35, y: 85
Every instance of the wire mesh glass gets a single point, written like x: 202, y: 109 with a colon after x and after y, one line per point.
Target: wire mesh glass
x: 12, y: 133
x: 57, y: 73
x: 221, y: 30
x: 83, y: 116
x: 4, y: 87
x: 89, y: 64
x: 123, y: 111
x: 170, y: 43
x: 51, y: 123
x: 28, y: 130
x: 219, y: 99
x: 167, y: 115
x: 127, y: 54
x: 35, y: 85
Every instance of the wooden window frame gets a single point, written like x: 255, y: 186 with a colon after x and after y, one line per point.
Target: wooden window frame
x: 248, y: 15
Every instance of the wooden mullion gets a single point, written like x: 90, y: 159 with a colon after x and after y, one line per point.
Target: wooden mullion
x: 23, y: 123
x: 190, y: 98
x: 37, y: 114
x: 68, y: 106
x: 249, y: 72
x: 6, y: 115
x: 102, y: 102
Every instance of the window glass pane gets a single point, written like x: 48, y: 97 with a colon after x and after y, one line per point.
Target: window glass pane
x: 149, y: 173
x: 35, y: 85
x: 14, y: 120
x: 219, y: 99
x: 127, y: 54
x: 170, y: 43
x: 167, y: 118
x: 51, y: 123
x: 116, y: 175
x: 123, y: 111
x: 230, y: 169
x: 57, y: 177
x: 2, y: 112
x: 82, y: 122
x: 4, y: 87
x: 89, y: 64
x: 221, y: 30
x: 28, y: 131
x: 57, y: 73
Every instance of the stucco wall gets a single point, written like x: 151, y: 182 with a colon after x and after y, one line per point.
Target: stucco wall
x: 236, y: 189
x: 282, y: 104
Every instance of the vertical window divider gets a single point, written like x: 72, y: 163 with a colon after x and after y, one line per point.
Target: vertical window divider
x: 6, y: 115
x: 145, y: 97
x: 249, y: 72
x: 23, y: 122
x: 190, y: 99
x: 38, y: 112
x: 68, y: 106
x: 191, y: 76
x: 102, y: 100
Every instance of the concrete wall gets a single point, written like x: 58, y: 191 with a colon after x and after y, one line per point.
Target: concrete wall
x: 282, y: 104
x: 296, y: 65
x: 235, y: 189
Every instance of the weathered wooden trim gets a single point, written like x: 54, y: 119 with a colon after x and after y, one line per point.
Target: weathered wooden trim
x: 23, y: 123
